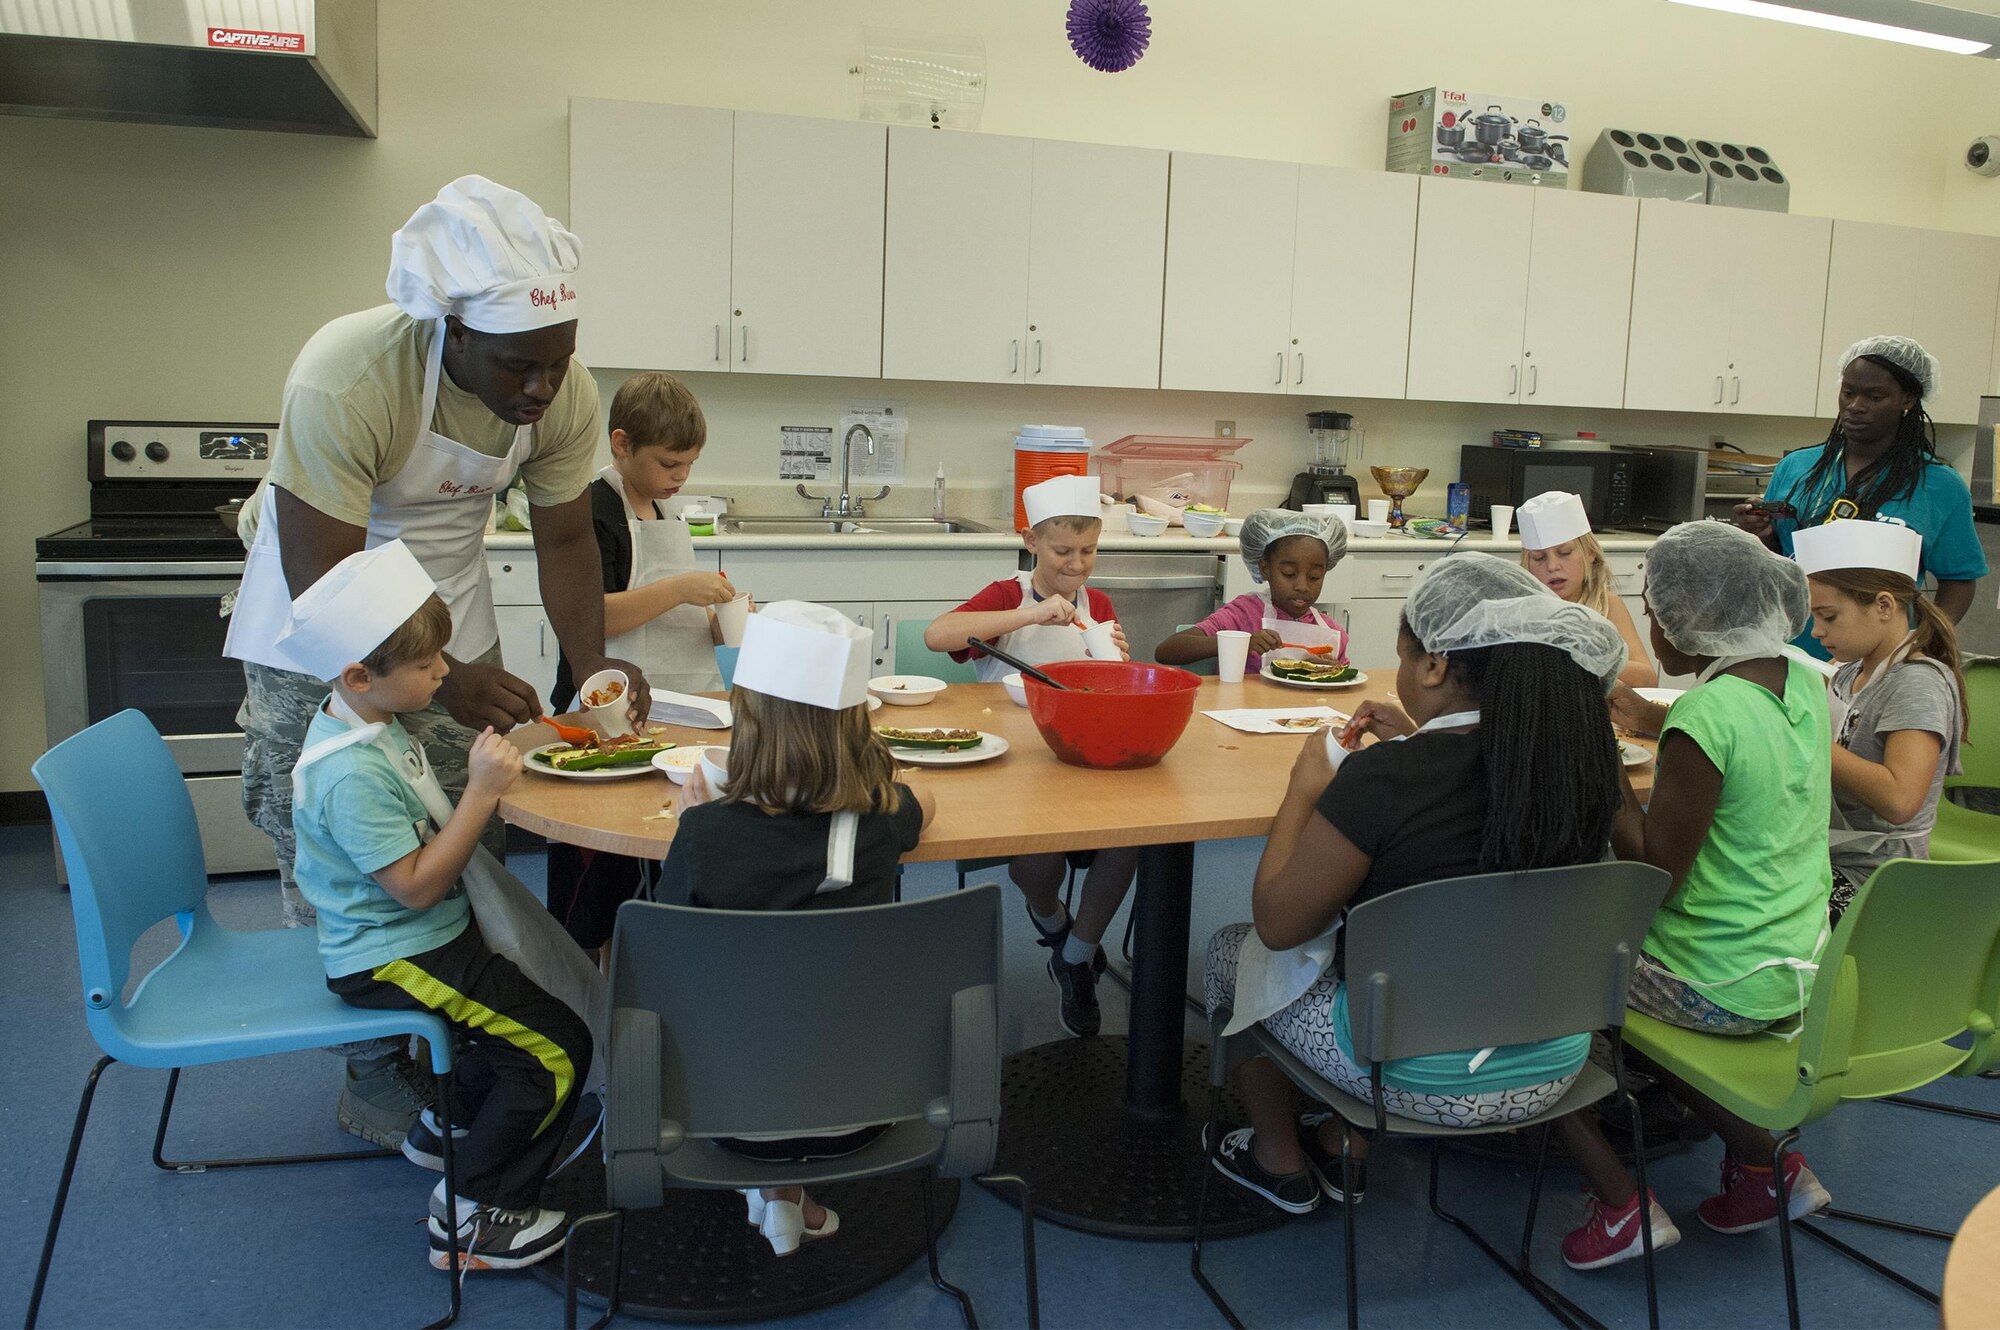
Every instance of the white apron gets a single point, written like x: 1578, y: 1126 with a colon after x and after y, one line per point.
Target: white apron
x: 513, y: 924
x: 1038, y: 643
x: 1309, y: 632
x: 673, y: 649
x: 437, y: 504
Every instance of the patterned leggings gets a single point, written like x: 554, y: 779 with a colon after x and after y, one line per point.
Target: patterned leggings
x: 1305, y: 1028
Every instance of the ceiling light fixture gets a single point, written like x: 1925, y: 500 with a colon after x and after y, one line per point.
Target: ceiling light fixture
x: 1858, y: 27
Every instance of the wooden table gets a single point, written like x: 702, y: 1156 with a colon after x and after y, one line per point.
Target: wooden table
x: 1216, y: 784
x: 1972, y: 1271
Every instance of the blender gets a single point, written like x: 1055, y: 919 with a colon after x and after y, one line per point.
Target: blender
x: 1336, y: 445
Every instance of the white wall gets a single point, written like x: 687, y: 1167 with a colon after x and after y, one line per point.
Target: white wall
x: 172, y: 273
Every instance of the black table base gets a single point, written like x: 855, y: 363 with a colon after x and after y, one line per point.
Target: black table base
x: 697, y: 1259
x: 1065, y: 1126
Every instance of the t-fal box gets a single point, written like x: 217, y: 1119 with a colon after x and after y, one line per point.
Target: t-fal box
x: 1480, y: 136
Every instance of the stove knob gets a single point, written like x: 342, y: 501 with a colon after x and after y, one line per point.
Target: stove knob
x: 123, y: 451
x: 156, y: 451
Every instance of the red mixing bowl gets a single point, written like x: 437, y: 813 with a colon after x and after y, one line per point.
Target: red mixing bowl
x: 1131, y: 716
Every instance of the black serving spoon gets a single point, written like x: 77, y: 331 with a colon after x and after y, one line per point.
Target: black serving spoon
x: 1019, y: 664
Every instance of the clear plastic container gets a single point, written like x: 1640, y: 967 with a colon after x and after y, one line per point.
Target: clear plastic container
x: 1168, y: 470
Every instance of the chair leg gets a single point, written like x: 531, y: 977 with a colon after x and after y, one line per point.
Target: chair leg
x: 160, y: 1160
x: 930, y: 1251
x: 1863, y: 1259
x: 1779, y: 1149
x: 62, y: 1189
x: 612, y: 1299
x: 1566, y: 1313
x: 1028, y: 1267
x: 455, y: 1266
x: 1645, y: 1206
x: 1347, y: 1224
x: 1131, y: 925
x: 1932, y: 1106
x: 1201, y: 1207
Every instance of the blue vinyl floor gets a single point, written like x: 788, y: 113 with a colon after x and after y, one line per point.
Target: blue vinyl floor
x: 343, y: 1244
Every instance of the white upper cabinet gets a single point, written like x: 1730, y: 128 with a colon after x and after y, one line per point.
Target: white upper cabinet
x: 1579, y: 299
x: 805, y: 272
x: 1727, y: 308
x: 1351, y: 267
x: 1938, y: 287
x: 1096, y: 255
x: 955, y: 267
x: 1231, y: 227
x: 649, y: 195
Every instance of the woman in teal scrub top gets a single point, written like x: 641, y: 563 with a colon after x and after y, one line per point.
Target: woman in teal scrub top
x: 1880, y: 459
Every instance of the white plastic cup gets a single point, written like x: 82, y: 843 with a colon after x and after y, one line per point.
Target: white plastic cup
x: 734, y: 616
x: 1378, y: 510
x: 614, y: 719
x: 1232, y: 654
x: 1503, y: 521
x: 1099, y: 643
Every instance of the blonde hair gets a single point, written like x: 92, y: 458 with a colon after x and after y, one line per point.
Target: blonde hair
x: 654, y: 408
x: 1936, y: 637
x: 420, y: 637
x: 796, y: 758
x: 1595, y: 594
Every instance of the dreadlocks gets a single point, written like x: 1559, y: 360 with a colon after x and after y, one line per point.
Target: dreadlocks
x: 1893, y: 475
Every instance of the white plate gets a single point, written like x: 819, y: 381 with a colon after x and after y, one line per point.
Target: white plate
x: 602, y: 773
x: 1664, y: 696
x: 1265, y: 671
x: 990, y: 747
x: 1633, y: 755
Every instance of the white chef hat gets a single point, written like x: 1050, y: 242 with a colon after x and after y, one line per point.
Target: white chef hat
x: 806, y: 653
x: 353, y: 609
x: 1551, y: 519
x: 1062, y: 496
x: 488, y: 254
x: 1890, y: 546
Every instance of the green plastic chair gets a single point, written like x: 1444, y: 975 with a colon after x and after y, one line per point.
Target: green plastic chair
x: 913, y: 657
x: 1913, y: 964
x: 1962, y: 835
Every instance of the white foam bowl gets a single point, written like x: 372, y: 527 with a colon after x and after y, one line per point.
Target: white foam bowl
x: 1203, y: 525
x: 1232, y: 526
x: 1017, y: 688
x: 1364, y: 527
x: 1145, y: 524
x: 679, y: 763
x: 906, y: 690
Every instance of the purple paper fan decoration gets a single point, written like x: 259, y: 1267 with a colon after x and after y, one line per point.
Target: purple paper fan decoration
x: 1109, y: 35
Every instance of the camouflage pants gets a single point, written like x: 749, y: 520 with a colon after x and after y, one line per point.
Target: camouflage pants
x: 278, y: 705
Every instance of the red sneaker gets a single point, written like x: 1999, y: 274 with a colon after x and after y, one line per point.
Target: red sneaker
x: 1609, y: 1236
x: 1749, y: 1200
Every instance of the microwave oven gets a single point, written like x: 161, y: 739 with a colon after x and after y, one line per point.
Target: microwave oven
x: 1512, y: 476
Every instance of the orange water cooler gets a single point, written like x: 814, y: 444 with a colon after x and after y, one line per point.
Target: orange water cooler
x: 1042, y: 452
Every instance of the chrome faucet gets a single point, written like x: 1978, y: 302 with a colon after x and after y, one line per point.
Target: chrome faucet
x: 847, y: 505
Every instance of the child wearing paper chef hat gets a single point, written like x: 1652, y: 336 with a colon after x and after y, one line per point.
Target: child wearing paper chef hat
x: 1897, y: 701
x: 811, y: 817
x: 395, y: 929
x: 1558, y: 548
x: 1043, y: 616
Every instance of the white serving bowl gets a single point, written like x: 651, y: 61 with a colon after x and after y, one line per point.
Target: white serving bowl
x: 1017, y: 688
x: 1232, y: 526
x: 1203, y: 525
x: 906, y: 690
x: 679, y: 763
x: 1364, y: 527
x: 715, y: 767
x: 1145, y: 524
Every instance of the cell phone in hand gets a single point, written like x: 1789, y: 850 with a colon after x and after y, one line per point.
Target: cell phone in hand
x: 1773, y: 508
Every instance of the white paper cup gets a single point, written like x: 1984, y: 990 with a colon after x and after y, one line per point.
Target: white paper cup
x: 715, y: 767
x: 734, y: 616
x: 1503, y: 520
x: 1097, y: 640
x: 1378, y: 510
x: 1346, y: 512
x: 1232, y: 653
x: 614, y: 718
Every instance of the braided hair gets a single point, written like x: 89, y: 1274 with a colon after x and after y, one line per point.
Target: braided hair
x: 1893, y: 475
x: 1552, y: 786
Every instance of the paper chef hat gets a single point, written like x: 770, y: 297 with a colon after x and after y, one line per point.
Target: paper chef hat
x: 1061, y: 496
x: 353, y: 609
x: 1550, y: 519
x: 1890, y: 546
x: 488, y: 254
x: 806, y: 653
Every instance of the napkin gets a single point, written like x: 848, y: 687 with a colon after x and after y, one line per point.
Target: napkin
x: 697, y: 713
x: 1252, y: 720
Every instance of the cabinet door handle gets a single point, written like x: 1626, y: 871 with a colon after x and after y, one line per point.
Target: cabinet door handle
x: 745, y: 357
x: 1017, y: 357
x: 1396, y: 577
x: 718, y: 344
x: 1735, y: 389
x: 1302, y: 367
x: 542, y: 638
x: 1281, y: 368
x: 1718, y: 390
x: 1534, y: 379
x: 1038, y: 355
x: 1513, y: 379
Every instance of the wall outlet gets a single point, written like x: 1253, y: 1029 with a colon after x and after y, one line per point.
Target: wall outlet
x: 1716, y: 441
x: 1225, y: 429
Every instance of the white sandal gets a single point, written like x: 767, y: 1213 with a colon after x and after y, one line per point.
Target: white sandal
x: 783, y: 1224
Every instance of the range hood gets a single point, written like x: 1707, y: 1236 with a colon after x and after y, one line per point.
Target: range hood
x: 301, y: 66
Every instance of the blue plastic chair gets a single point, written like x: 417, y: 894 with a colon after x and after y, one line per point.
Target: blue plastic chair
x: 134, y: 858
x: 913, y: 657
x: 725, y: 660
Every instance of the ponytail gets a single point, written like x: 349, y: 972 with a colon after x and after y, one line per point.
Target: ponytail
x: 1933, y: 633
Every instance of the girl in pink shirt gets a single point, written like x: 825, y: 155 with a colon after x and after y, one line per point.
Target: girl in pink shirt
x: 1290, y: 553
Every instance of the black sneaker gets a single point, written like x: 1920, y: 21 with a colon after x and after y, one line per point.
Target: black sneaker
x: 1056, y: 940
x: 424, y: 1146
x: 1295, y: 1193
x: 1078, y: 986
x: 1326, y: 1163
x: 494, y: 1239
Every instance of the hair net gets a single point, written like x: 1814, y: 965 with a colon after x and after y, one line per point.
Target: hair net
x: 1267, y: 526
x: 1902, y: 352
x: 1471, y: 601
x: 1715, y: 590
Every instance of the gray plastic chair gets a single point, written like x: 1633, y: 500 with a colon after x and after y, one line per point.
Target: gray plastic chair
x: 705, y: 1030
x: 1473, y: 962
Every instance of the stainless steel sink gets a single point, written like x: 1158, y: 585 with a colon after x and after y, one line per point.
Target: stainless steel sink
x: 751, y: 525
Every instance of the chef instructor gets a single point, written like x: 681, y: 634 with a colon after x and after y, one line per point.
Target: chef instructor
x: 403, y: 421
